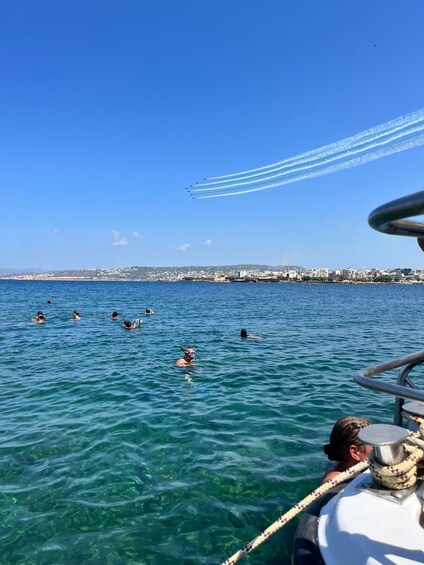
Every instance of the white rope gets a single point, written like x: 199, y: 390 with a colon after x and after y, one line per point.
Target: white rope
x: 400, y: 476
x: 297, y: 508
x: 404, y: 474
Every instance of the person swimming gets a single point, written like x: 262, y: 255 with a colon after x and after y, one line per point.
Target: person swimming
x: 244, y: 334
x: 344, y: 448
x: 188, y: 359
x: 115, y: 316
x: 76, y: 315
x: 149, y: 312
x: 39, y: 318
x: 132, y: 326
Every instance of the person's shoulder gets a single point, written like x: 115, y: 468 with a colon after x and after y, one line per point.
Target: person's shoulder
x: 180, y: 362
x: 330, y: 475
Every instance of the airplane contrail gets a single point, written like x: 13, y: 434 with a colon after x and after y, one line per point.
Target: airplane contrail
x: 374, y: 143
x: 323, y: 161
x: 307, y: 164
x: 389, y: 128
x: 376, y: 154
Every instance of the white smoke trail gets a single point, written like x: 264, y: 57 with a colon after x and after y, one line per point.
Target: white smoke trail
x: 367, y: 136
x: 388, y: 127
x: 323, y: 161
x: 323, y: 158
x: 371, y: 140
x: 377, y: 154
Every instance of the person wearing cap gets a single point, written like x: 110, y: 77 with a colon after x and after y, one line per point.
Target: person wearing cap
x: 188, y: 359
x: 76, y: 315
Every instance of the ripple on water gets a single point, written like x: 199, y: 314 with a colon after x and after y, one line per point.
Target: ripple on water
x: 110, y: 454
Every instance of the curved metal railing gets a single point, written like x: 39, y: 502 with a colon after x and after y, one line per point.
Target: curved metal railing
x: 400, y: 390
x: 392, y: 218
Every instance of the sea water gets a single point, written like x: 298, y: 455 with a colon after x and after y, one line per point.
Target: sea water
x: 110, y: 454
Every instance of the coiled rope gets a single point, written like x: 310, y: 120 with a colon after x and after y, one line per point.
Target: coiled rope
x: 297, y: 508
x: 400, y: 476
x: 404, y: 474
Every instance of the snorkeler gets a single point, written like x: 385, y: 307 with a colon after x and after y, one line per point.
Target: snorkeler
x: 149, y: 312
x: 76, y: 315
x: 132, y: 326
x: 39, y: 318
x: 345, y: 448
x: 188, y: 359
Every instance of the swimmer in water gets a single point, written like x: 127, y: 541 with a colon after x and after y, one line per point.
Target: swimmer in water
x: 244, y: 334
x: 345, y: 448
x: 76, y: 315
x: 188, y: 359
x: 132, y: 326
x: 39, y: 318
x: 115, y: 316
x: 149, y: 312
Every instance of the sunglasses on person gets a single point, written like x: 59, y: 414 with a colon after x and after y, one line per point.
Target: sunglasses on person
x: 191, y: 354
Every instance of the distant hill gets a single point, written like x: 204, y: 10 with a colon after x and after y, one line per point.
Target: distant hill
x: 142, y: 273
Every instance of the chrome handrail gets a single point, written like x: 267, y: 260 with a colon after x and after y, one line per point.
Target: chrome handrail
x: 363, y: 378
x: 392, y: 218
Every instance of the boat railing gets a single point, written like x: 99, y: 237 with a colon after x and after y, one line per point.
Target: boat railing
x: 404, y: 389
x: 393, y: 217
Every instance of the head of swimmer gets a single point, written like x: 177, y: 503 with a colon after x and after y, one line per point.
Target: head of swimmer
x: 243, y: 333
x: 345, y: 447
x: 189, y: 354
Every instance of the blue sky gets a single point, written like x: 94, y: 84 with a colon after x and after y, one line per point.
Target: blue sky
x: 109, y: 109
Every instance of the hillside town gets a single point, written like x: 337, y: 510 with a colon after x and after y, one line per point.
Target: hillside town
x: 229, y: 273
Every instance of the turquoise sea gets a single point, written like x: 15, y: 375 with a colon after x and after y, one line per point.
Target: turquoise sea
x: 111, y: 455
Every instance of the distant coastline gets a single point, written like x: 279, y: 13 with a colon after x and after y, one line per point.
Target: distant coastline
x: 259, y: 274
